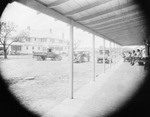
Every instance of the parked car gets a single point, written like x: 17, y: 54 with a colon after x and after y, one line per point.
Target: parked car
x: 100, y: 56
x: 2, y: 51
x: 48, y: 54
x: 81, y: 56
x: 13, y: 52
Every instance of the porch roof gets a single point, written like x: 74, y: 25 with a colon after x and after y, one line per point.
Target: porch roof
x: 119, y: 21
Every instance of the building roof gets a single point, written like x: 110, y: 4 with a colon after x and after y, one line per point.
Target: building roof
x: 119, y: 21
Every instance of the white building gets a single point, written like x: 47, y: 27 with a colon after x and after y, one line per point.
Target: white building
x: 40, y: 40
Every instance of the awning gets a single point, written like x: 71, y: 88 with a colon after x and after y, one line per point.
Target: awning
x: 119, y: 21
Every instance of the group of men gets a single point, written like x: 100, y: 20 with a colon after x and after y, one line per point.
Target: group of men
x: 135, y: 55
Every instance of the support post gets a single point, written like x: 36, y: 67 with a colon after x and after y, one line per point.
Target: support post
x: 121, y: 52
x: 110, y: 54
x: 117, y: 51
x: 103, y: 55
x: 93, y: 61
x: 114, y: 54
x: 71, y: 60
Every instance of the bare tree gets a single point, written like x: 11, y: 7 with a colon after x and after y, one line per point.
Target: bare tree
x: 6, y: 39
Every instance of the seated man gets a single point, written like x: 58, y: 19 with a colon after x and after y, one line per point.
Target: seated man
x: 127, y: 57
x: 139, y: 53
x: 146, y: 59
x: 137, y: 57
x: 133, y: 55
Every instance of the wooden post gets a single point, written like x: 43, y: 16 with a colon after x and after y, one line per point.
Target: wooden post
x: 93, y: 61
x: 117, y: 51
x: 110, y: 54
x: 71, y: 60
x: 103, y: 55
x: 114, y: 54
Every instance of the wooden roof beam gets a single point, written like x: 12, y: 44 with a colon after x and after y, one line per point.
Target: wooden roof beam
x: 120, y: 25
x: 50, y: 12
x: 57, y: 3
x: 132, y: 20
x: 121, y: 32
x: 90, y: 6
x: 117, y: 21
x: 105, y: 11
x: 121, y: 29
x: 132, y: 12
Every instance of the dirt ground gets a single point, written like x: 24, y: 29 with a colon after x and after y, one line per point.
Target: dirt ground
x: 40, y: 85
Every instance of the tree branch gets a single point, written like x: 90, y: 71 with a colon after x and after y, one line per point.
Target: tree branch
x: 9, y: 44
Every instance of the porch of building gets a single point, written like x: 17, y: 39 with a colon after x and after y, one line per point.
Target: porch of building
x: 107, y: 92
x: 103, y: 96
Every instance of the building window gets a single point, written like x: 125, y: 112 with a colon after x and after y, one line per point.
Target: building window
x: 34, y: 39
x: 26, y: 47
x: 16, y: 48
x: 32, y: 48
x: 28, y: 39
x: 38, y: 48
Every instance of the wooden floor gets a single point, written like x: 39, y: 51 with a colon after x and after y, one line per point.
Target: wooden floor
x: 103, y: 96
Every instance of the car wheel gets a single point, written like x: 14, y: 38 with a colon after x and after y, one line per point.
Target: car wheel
x: 59, y: 58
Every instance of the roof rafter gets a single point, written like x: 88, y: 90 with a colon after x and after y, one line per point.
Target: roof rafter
x: 120, y: 25
x: 121, y: 29
x: 105, y: 11
x: 50, y: 12
x: 112, y: 17
x: 121, y: 32
x: 95, y: 4
x: 132, y: 20
x: 129, y: 38
x: 117, y: 21
x: 57, y: 3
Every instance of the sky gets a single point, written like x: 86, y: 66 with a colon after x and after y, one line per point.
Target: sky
x: 24, y: 16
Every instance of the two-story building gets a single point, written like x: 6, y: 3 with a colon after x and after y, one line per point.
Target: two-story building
x: 39, y: 41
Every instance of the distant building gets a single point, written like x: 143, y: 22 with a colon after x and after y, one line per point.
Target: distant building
x: 40, y: 40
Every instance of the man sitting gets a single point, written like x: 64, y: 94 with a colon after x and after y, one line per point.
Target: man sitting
x: 136, y: 57
x: 133, y: 55
x: 127, y: 57
x: 139, y: 56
